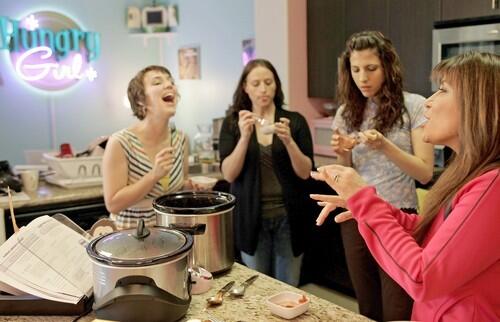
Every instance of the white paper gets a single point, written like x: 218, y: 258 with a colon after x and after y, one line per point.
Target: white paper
x: 47, y: 259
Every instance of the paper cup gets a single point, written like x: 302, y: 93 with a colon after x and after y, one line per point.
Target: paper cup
x: 268, y: 129
x: 30, y: 180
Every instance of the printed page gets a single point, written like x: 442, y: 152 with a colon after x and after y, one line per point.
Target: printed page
x: 47, y: 257
x: 23, y: 289
x: 9, y: 289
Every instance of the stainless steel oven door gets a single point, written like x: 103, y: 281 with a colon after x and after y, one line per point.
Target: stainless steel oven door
x: 448, y: 42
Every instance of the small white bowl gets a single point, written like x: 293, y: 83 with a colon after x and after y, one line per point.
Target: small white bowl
x: 268, y: 129
x: 202, y: 280
x: 202, y: 182
x: 288, y: 304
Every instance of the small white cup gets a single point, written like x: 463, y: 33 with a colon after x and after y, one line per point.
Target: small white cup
x: 202, y: 280
x: 266, y: 126
x: 268, y: 129
x: 30, y: 180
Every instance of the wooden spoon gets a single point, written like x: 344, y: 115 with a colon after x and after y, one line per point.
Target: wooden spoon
x: 12, y: 216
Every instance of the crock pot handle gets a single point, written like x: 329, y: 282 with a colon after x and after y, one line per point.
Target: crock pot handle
x: 142, y: 231
x: 196, y: 229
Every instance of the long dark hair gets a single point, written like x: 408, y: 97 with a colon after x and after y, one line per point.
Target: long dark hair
x: 241, y: 101
x: 391, y: 109
x: 475, y: 77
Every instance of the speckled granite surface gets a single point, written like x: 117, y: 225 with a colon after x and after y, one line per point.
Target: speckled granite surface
x: 252, y: 307
x: 50, y: 194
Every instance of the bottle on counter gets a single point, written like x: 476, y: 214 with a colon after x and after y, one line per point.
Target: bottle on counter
x: 203, y: 145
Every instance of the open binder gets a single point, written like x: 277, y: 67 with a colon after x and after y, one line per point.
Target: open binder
x: 45, y: 270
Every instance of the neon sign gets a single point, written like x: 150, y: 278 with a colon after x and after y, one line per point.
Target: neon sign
x: 49, y: 51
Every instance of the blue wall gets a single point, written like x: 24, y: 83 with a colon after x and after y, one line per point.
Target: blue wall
x: 89, y: 110
x: 218, y: 28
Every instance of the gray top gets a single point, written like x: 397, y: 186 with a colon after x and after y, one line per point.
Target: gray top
x: 391, y: 182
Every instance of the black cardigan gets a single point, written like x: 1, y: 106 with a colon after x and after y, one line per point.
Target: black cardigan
x: 246, y: 187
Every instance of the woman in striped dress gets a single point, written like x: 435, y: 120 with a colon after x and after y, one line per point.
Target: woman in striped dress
x: 149, y: 158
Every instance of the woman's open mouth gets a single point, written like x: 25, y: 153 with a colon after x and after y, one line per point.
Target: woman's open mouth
x: 169, y: 98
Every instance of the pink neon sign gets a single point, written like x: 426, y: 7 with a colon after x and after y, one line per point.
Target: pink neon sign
x: 49, y: 51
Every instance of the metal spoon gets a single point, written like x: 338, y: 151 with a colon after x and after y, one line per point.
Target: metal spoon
x: 266, y: 126
x: 217, y: 298
x: 260, y: 120
x: 239, y: 291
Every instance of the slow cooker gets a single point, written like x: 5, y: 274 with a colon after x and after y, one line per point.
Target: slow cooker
x: 141, y: 273
x: 208, y: 216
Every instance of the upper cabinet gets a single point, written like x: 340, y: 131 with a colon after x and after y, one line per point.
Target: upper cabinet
x: 460, y: 9
x: 365, y: 15
x: 325, y: 40
x: 410, y: 29
x: 407, y: 23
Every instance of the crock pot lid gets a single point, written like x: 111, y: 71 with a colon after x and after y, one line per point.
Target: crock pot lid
x: 123, y: 245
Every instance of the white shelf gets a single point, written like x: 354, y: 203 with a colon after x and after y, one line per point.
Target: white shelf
x: 152, y: 35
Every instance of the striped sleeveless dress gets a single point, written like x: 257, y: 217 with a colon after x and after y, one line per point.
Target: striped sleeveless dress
x: 139, y: 165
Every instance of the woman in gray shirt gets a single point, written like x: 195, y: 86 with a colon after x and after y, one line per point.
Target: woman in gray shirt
x: 378, y: 131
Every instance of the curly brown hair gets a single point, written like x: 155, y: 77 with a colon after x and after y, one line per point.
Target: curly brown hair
x: 391, y: 109
x: 135, y: 91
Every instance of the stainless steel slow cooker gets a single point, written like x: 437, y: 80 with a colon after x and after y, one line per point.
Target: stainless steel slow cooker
x: 209, y: 217
x: 141, y: 273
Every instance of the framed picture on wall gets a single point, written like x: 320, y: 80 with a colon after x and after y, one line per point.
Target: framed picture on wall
x: 248, y: 50
x: 189, y: 63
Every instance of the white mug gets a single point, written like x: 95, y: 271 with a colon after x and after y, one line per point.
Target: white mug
x: 30, y: 180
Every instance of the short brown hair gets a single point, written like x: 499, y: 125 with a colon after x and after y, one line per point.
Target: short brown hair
x: 135, y: 90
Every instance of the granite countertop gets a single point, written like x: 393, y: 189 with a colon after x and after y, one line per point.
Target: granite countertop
x: 251, y: 307
x: 48, y: 194
x: 51, y: 194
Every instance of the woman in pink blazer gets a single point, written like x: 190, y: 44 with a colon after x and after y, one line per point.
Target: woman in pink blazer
x: 447, y: 258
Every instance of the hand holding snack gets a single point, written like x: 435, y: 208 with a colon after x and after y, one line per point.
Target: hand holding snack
x: 342, y: 143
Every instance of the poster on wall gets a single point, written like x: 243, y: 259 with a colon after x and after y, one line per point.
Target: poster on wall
x: 248, y: 50
x: 189, y: 63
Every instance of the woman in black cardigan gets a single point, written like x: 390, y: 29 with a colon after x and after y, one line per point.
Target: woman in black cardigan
x: 266, y: 154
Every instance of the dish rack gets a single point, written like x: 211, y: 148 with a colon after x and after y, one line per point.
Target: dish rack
x: 71, y: 168
x: 74, y: 172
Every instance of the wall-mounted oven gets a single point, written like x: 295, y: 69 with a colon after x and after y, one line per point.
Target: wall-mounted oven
x: 450, y: 38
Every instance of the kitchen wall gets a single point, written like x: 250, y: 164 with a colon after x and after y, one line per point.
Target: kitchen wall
x: 218, y: 27
x: 281, y: 37
x: 311, y: 108
x: 31, y: 119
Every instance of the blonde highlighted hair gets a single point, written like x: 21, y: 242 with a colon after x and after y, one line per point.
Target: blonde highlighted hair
x: 474, y: 76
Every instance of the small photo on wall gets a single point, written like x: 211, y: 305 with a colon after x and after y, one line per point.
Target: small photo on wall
x: 248, y: 50
x: 189, y: 63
